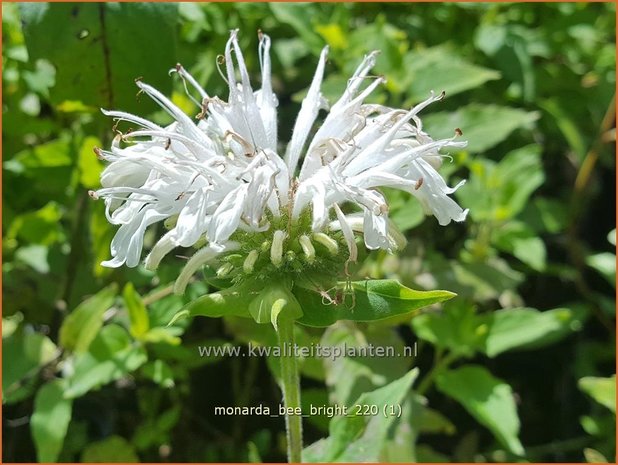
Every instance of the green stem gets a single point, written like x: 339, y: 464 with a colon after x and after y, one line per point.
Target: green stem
x: 290, y: 385
x: 440, y: 363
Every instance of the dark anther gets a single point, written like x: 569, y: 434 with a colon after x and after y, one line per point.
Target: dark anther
x: 418, y: 184
x: 458, y: 132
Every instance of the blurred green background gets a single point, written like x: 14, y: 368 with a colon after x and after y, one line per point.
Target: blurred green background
x: 521, y: 366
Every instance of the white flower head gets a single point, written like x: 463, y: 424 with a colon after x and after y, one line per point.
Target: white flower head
x: 218, y: 180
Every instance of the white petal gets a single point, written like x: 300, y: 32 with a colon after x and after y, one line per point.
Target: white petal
x: 193, y: 219
x: 163, y: 246
x: 375, y: 229
x: 227, y: 216
x: 348, y: 234
x: 308, y: 112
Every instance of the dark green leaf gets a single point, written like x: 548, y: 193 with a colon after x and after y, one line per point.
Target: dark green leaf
x: 23, y: 354
x: 96, y: 49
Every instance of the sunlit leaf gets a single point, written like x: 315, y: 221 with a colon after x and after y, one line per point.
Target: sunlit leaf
x: 111, y: 356
x: 487, y: 399
x: 518, y: 239
x: 483, y: 126
x: 440, y: 69
x: 528, y: 328
x: 369, y: 300
x: 603, y: 390
x: 358, y: 437
x: 138, y: 315
x: 83, y: 324
x: 50, y: 420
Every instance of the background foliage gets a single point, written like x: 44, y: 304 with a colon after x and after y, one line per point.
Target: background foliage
x: 519, y: 367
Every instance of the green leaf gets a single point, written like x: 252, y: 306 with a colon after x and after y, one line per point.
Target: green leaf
x: 499, y: 191
x: 404, y: 210
x: 23, y: 354
x: 348, y: 377
x: 80, y: 328
x: 94, y: 49
x: 159, y: 372
x: 50, y: 420
x: 603, y: 390
x: 168, y: 335
x: 38, y: 227
x: 138, y: 315
x: 569, y: 127
x: 528, y: 328
x: 433, y: 422
x: 111, y: 356
x: 594, y: 456
x: 299, y: 17
x: 361, y: 438
x: 518, y: 239
x: 233, y: 301
x: 88, y: 164
x: 440, y: 69
x: 369, y: 300
x: 605, y: 264
x: 487, y: 399
x: 35, y: 256
x: 457, y: 329
x: 113, y: 449
x: 483, y: 126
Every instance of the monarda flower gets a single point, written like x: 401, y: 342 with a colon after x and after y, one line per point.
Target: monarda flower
x: 223, y: 183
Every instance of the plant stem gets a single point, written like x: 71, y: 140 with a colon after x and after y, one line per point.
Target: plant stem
x: 290, y: 385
